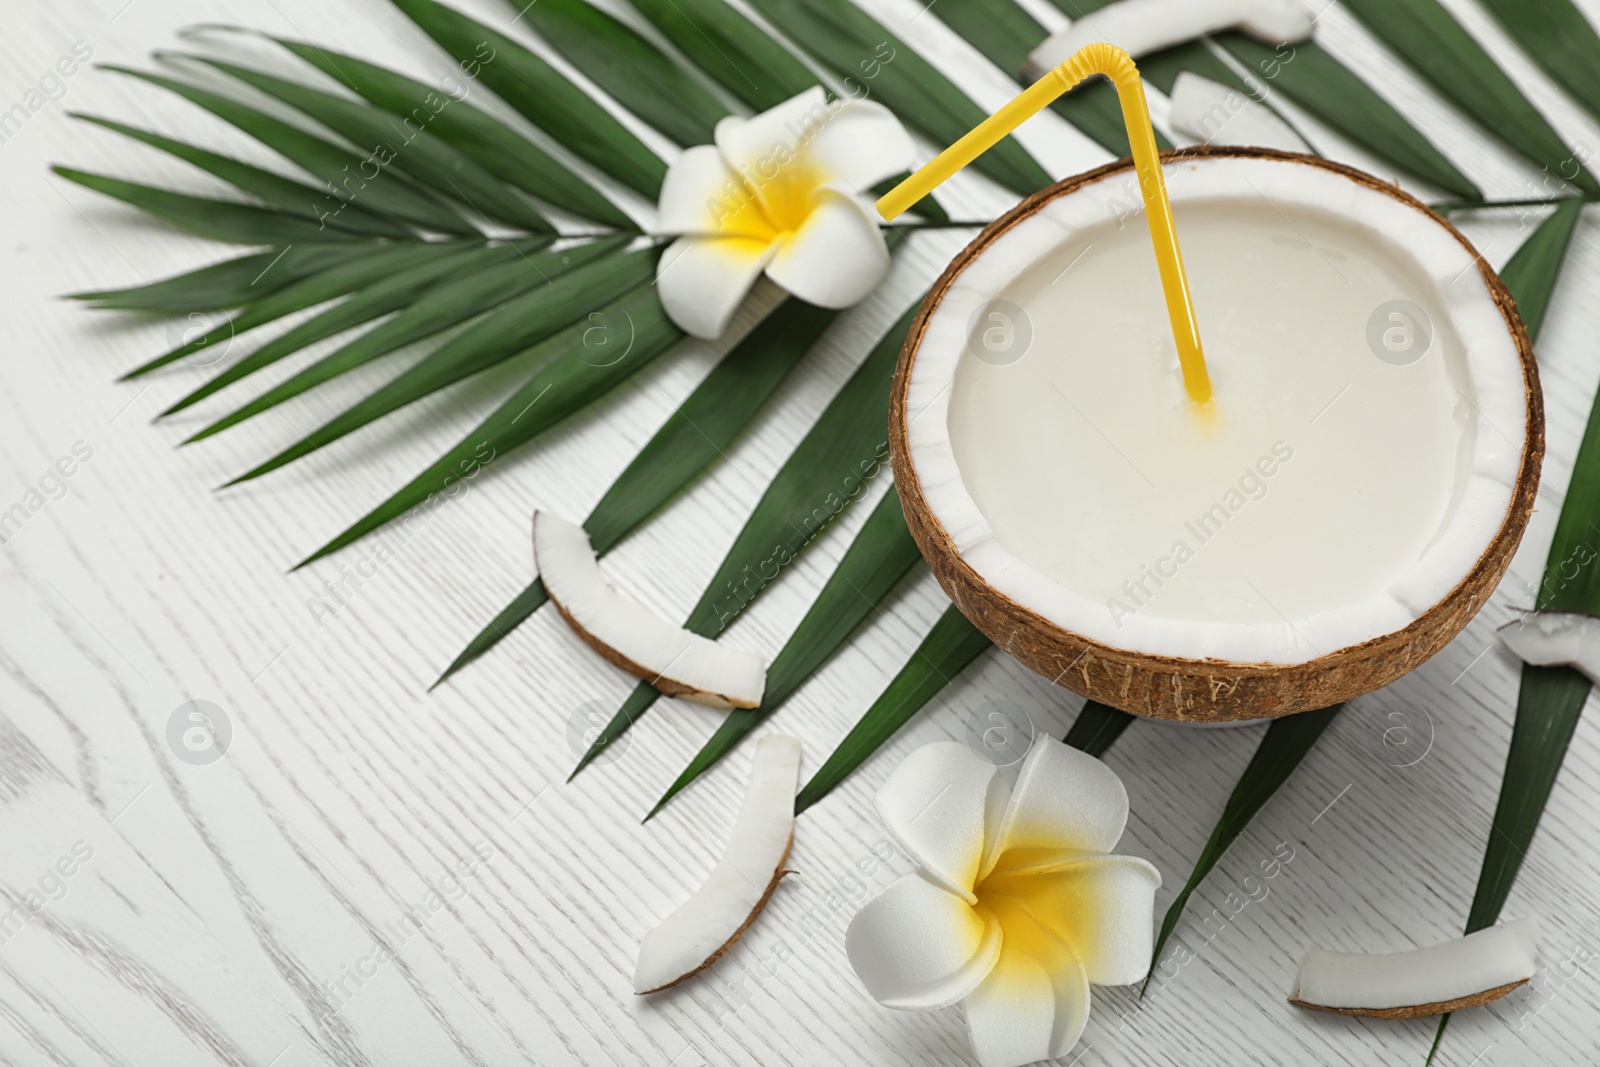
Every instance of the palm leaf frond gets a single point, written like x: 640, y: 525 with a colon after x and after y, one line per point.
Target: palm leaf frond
x: 373, y: 265
x: 1442, y: 51
x: 692, y: 439
x: 803, y: 498
x: 1313, y: 79
x: 730, y: 48
x: 339, y: 168
x: 228, y: 284
x: 880, y: 556
x: 412, y: 150
x: 543, y: 95
x: 1559, y: 40
x: 950, y: 646
x: 1097, y: 728
x: 496, y: 146
x: 282, y: 194
x: 1287, y: 742
x: 433, y: 262
x: 220, y: 220
x: 514, y: 306
x: 629, y: 68
x: 566, y: 376
x: 1532, y: 271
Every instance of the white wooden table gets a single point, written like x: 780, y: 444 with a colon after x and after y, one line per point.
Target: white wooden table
x: 228, y: 912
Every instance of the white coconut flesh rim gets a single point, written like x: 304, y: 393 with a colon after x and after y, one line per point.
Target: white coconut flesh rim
x: 1437, y: 978
x: 1556, y: 639
x: 630, y: 635
x: 703, y: 927
x: 1492, y: 386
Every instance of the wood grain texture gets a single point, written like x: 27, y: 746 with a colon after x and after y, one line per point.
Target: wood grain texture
x: 375, y: 875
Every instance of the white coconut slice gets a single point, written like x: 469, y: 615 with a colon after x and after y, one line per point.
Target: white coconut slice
x: 1556, y: 639
x: 1463, y: 973
x: 706, y: 925
x: 675, y: 661
x: 1140, y: 27
x: 1213, y: 113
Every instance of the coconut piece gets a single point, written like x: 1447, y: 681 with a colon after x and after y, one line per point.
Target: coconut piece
x: 1464, y: 973
x: 1556, y: 639
x: 1213, y: 113
x: 706, y: 925
x: 1140, y: 27
x: 675, y: 661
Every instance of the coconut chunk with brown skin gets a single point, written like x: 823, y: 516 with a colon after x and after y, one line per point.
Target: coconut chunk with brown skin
x: 1464, y: 973
x: 675, y: 661
x: 1556, y: 639
x: 706, y: 925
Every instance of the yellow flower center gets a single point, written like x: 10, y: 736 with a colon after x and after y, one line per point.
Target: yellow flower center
x: 773, y: 200
x: 1047, y: 916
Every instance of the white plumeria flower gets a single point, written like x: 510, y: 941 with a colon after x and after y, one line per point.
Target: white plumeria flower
x: 1017, y: 905
x: 779, y: 192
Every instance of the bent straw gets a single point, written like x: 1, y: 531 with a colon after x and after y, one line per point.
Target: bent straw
x: 1117, y: 65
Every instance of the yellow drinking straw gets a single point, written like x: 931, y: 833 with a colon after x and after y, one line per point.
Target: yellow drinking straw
x: 1117, y: 65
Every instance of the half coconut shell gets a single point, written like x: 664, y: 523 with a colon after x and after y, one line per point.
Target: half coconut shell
x: 1207, y: 690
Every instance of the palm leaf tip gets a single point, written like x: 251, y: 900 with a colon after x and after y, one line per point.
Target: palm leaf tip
x: 848, y: 436
x: 639, y: 701
x: 882, y: 553
x: 945, y: 652
x: 521, y: 608
x: 1286, y: 744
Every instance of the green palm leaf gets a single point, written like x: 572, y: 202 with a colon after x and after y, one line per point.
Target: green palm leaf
x: 1097, y: 728
x: 391, y: 293
x: 631, y: 69
x: 413, y: 151
x: 1311, y: 77
x: 376, y: 263
x: 847, y: 444
x: 1430, y: 39
x: 230, y: 283
x: 512, y: 326
x: 221, y: 220
x: 527, y: 299
x: 950, y: 646
x: 1559, y: 40
x: 873, y: 60
x: 1531, y: 273
x: 1288, y: 741
x: 340, y: 168
x: 877, y: 559
x: 497, y: 147
x: 694, y: 437
x: 566, y: 376
x: 543, y: 95
x: 730, y: 48
x: 292, y: 197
